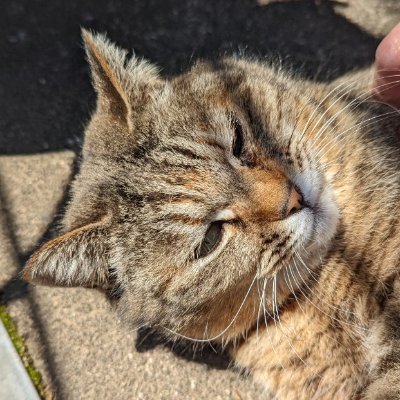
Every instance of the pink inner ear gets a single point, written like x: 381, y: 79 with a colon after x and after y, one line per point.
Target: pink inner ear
x: 77, y: 258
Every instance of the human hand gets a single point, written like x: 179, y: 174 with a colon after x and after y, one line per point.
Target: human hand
x: 386, y: 84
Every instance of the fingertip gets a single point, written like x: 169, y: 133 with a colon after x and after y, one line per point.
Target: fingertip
x: 387, y: 54
x: 386, y: 85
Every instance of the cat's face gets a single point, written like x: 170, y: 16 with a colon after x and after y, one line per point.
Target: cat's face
x: 201, y: 199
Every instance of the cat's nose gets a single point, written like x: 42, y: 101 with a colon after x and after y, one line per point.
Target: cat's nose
x: 271, y: 195
x: 295, y: 201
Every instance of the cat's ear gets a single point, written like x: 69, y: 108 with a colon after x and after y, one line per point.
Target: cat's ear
x: 121, y: 83
x: 76, y: 258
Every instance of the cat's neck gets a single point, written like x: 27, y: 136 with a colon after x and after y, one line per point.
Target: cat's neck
x: 368, y: 193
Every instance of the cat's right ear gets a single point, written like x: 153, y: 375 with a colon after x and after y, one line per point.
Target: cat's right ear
x: 121, y: 83
x: 76, y: 258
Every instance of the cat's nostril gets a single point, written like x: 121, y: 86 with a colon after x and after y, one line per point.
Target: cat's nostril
x: 295, y: 202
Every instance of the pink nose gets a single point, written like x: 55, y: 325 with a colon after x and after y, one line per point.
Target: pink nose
x: 295, y: 202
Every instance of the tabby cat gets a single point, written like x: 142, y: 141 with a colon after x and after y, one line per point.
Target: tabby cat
x: 239, y: 204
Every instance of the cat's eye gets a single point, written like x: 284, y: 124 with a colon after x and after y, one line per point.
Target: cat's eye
x: 237, y: 145
x: 211, y: 239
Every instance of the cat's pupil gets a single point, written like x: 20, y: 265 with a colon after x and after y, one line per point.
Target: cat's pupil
x: 238, y: 139
x: 211, y: 239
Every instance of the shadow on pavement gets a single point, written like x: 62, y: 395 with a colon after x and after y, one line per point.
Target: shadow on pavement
x: 45, y: 92
x: 16, y: 289
x: 210, y: 354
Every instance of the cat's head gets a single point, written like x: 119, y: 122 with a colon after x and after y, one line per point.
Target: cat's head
x: 198, y: 200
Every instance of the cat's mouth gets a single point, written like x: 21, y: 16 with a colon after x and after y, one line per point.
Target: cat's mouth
x: 320, y: 215
x: 312, y: 230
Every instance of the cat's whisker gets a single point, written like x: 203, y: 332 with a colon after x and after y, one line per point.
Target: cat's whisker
x: 205, y: 335
x: 345, y: 92
x: 358, y: 101
x: 340, y: 145
x: 332, y: 118
x: 335, y: 141
x: 275, y: 311
x: 292, y: 291
x: 317, y: 307
x: 310, y: 119
x: 297, y: 120
x: 227, y: 327
x: 259, y: 309
x: 289, y: 283
x: 303, y: 293
x: 314, y: 277
x: 265, y: 313
x: 339, y: 309
x: 307, y: 316
x: 333, y: 339
x: 293, y: 130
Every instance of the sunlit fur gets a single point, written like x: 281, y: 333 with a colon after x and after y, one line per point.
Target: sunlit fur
x: 308, y: 302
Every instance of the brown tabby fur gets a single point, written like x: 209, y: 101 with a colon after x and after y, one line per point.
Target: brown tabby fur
x: 309, y: 302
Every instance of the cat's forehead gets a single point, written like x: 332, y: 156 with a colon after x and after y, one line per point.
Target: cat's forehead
x: 195, y: 102
x: 198, y: 92
x: 211, y: 90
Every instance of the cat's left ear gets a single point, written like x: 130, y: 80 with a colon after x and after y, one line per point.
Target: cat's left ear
x: 122, y: 83
x: 76, y: 258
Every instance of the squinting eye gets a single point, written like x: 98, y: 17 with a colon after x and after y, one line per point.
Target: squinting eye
x: 238, y: 139
x: 211, y: 239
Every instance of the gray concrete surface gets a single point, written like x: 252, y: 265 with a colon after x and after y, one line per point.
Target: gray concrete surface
x: 14, y: 381
x: 75, y: 339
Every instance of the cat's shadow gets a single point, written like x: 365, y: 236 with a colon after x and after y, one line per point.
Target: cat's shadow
x: 210, y: 354
x: 45, y: 91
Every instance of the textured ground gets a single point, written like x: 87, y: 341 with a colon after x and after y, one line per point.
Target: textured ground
x: 45, y: 99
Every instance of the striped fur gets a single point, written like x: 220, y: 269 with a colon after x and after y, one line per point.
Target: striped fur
x: 309, y: 301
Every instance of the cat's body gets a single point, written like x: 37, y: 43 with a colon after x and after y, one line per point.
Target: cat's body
x: 237, y: 204
x: 342, y: 333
